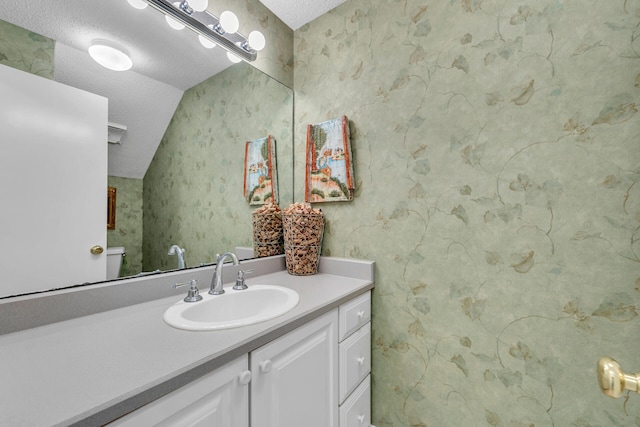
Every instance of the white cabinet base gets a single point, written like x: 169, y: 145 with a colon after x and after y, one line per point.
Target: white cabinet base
x: 219, y: 399
x: 295, y: 377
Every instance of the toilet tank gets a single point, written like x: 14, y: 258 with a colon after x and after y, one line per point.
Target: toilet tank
x: 114, y: 261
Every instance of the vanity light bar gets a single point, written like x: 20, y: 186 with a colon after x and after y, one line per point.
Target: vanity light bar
x: 204, y: 24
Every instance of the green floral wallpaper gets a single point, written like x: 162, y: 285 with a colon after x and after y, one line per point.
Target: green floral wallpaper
x: 193, y: 189
x: 26, y: 51
x: 128, y: 232
x: 497, y: 160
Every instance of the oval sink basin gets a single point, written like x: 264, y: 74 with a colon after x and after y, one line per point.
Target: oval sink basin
x: 232, y: 309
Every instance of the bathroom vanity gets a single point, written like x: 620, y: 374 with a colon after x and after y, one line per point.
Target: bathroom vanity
x: 125, y: 366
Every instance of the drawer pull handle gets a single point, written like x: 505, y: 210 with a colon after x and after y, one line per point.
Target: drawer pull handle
x: 361, y: 419
x: 361, y: 315
x: 245, y: 377
x: 265, y: 366
x: 360, y: 361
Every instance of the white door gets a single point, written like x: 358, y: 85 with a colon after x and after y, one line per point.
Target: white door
x: 53, y: 183
x: 295, y: 378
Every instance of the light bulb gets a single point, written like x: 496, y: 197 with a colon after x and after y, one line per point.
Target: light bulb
x: 138, y: 4
x: 110, y: 55
x: 172, y: 22
x: 206, y: 42
x: 256, y: 40
x: 229, y: 22
x: 199, y: 5
x: 233, y: 58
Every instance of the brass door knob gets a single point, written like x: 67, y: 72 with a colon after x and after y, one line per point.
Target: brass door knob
x: 613, y: 381
x: 97, y: 249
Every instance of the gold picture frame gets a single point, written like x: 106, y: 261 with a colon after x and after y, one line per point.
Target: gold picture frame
x: 111, y: 208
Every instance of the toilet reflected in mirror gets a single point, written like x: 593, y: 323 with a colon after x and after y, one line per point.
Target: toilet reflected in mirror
x: 114, y: 261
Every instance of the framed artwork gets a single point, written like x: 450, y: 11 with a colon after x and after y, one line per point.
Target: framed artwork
x: 111, y: 208
x: 260, y: 174
x: 329, y: 174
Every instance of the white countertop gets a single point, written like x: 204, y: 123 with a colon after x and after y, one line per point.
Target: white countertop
x: 93, y: 369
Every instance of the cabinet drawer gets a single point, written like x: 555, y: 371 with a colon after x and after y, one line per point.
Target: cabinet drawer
x: 353, y: 315
x: 356, y: 411
x: 355, y: 360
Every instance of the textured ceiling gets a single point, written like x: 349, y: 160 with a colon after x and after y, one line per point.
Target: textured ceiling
x: 296, y: 13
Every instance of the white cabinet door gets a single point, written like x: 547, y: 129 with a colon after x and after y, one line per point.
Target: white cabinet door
x: 219, y: 399
x: 53, y: 183
x: 294, y: 380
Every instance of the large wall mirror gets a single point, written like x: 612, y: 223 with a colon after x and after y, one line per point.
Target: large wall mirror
x: 190, y: 193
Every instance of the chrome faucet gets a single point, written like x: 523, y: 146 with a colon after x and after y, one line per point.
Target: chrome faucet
x: 216, y: 282
x: 175, y: 250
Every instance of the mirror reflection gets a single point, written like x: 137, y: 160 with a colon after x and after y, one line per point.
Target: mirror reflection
x: 190, y: 193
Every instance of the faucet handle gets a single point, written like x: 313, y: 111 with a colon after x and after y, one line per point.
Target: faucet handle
x: 193, y: 295
x: 240, y: 285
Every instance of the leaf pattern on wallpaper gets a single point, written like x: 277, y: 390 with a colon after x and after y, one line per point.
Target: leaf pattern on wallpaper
x: 522, y: 263
x: 523, y: 13
x: 523, y: 93
x: 508, y: 213
x: 419, y: 14
x: 584, y: 235
x: 584, y: 320
x: 420, y: 152
x: 521, y: 183
x: 422, y: 29
x: 508, y: 47
x: 417, y: 192
x: 509, y: 378
x: 470, y: 5
x: 617, y: 110
x: 545, y: 195
x: 617, y: 308
x: 417, y: 329
x: 418, y: 55
x: 422, y: 167
x: 422, y: 305
x: 400, y: 346
x: 492, y: 258
x: 419, y: 288
x: 472, y: 154
x: 473, y: 308
x: 460, y: 212
x: 520, y: 351
x: 493, y: 419
x: 461, y: 364
x: 493, y: 98
x: 461, y: 64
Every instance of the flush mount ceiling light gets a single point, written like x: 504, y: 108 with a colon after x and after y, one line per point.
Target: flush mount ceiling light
x: 110, y: 55
x: 211, y: 30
